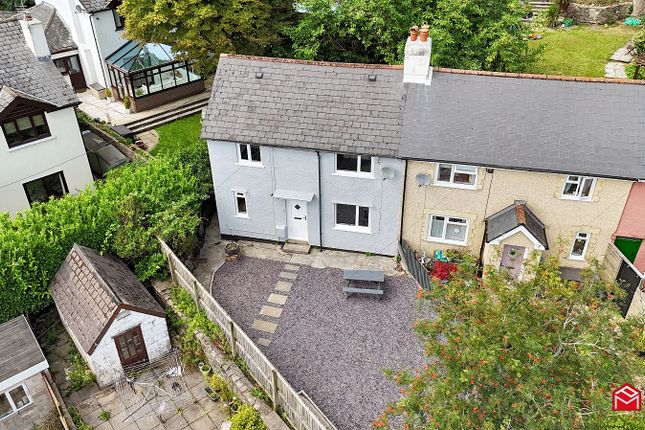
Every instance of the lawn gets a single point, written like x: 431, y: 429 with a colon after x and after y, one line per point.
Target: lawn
x: 581, y: 50
x: 177, y: 134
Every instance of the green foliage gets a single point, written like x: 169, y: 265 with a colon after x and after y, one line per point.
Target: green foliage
x: 247, y: 418
x: 108, y: 92
x: 78, y: 374
x: 78, y: 419
x: 178, y: 134
x: 261, y: 394
x: 105, y: 415
x: 549, y: 17
x: 121, y: 215
x: 639, y: 42
x: 126, y: 102
x: 201, y: 30
x: 51, y: 422
x: 634, y: 72
x: 624, y: 422
x: 13, y: 4
x: 467, y: 34
x: 222, y: 388
x: 539, y: 353
x: 87, y: 123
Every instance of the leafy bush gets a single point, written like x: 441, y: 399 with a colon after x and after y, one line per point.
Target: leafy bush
x: 78, y: 419
x: 121, y: 215
x: 78, y: 373
x: 222, y: 388
x: 126, y: 102
x: 247, y: 418
x: 549, y: 18
x: 639, y: 42
x: 630, y: 71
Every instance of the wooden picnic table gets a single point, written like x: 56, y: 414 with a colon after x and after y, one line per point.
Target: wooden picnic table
x: 352, y: 276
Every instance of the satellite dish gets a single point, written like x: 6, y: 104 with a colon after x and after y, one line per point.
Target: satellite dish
x: 387, y: 172
x: 423, y: 179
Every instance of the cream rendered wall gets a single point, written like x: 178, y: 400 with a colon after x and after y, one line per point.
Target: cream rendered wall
x: 62, y: 151
x: 499, y: 189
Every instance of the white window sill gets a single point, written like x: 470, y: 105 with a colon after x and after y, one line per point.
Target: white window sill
x: 349, y: 228
x: 247, y: 164
x: 246, y: 216
x: 577, y: 199
x: 353, y: 174
x: 452, y: 185
x: 35, y: 142
x: 446, y: 241
x: 576, y: 258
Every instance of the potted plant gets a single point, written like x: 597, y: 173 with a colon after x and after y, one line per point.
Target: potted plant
x: 204, y: 368
x: 126, y: 103
x: 232, y: 249
x: 109, y: 95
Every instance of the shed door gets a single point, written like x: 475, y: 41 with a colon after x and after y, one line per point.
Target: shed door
x: 131, y: 347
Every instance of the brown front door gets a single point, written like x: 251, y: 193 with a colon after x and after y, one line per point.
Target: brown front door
x: 71, y: 66
x: 131, y: 347
x: 513, y: 259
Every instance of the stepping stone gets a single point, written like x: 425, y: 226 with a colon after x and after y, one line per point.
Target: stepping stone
x: 291, y: 267
x: 283, y: 286
x: 267, y: 326
x: 277, y: 299
x: 271, y: 311
x: 264, y: 342
x: 288, y: 275
x: 622, y: 56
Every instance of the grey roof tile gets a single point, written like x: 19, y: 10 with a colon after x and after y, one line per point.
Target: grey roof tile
x: 96, y: 5
x: 19, y: 349
x: 58, y: 36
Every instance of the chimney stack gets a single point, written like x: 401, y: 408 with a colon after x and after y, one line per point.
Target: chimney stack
x: 416, y: 66
x: 34, y: 33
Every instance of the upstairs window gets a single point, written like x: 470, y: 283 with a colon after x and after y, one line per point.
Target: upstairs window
x: 579, y: 248
x: 249, y: 154
x: 578, y: 187
x: 19, y: 130
x: 119, y: 21
x: 360, y: 165
x: 456, y: 175
x: 41, y: 190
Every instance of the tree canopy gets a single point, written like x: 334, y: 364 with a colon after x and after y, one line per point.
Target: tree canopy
x: 540, y: 353
x: 203, y: 29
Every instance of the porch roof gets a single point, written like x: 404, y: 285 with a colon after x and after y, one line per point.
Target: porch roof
x: 516, y: 218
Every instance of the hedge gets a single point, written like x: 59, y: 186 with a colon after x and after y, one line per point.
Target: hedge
x: 121, y: 215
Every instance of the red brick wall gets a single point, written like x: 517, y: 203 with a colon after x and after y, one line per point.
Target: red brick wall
x: 631, y: 222
x: 163, y: 97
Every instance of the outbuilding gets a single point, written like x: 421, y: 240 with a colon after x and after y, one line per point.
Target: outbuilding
x: 110, y: 316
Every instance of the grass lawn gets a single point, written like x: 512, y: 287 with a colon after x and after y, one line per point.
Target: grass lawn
x: 177, y: 134
x: 581, y: 50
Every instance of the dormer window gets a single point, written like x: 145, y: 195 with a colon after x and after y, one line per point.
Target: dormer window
x: 25, y: 128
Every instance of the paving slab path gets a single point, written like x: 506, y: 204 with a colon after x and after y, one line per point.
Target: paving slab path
x: 616, y: 67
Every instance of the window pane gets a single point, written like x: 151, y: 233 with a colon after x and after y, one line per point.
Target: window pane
x: 181, y: 75
x: 345, y: 214
x: 436, y: 226
x: 586, y: 187
x: 11, y: 133
x: 255, y: 153
x: 5, y: 406
x: 347, y: 162
x: 241, y: 203
x: 41, y: 126
x: 456, y: 230
x: 19, y: 397
x: 366, y: 164
x: 74, y: 64
x: 42, y: 189
x: 570, y: 189
x: 363, y: 216
x: 25, y: 128
x: 464, y: 178
x: 445, y: 170
x: 244, y: 152
x: 579, y: 245
x: 60, y: 63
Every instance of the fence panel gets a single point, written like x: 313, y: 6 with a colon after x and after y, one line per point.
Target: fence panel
x: 266, y: 375
x: 415, y: 268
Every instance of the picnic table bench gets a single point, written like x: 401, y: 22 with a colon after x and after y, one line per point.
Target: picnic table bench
x: 352, y: 276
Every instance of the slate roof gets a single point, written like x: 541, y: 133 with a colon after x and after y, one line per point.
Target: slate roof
x: 19, y: 349
x: 516, y: 215
x: 96, y: 5
x: 528, y: 122
x: 312, y: 105
x: 89, y: 290
x: 21, y: 71
x: 59, y: 39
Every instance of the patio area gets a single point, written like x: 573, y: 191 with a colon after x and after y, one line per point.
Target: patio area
x: 332, y: 347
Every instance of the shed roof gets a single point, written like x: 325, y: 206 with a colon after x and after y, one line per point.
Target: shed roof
x: 59, y: 39
x: 312, y: 105
x: 510, y: 218
x: 90, y: 289
x: 19, y: 349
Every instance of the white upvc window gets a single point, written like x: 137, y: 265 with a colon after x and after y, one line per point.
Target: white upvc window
x: 13, y: 400
x: 241, y: 208
x: 448, y: 229
x: 249, y: 154
x: 354, y: 165
x: 456, y: 175
x: 578, y: 187
x: 352, y: 217
x: 580, y: 245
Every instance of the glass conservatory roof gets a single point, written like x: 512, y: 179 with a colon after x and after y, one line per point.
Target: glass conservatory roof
x: 133, y: 56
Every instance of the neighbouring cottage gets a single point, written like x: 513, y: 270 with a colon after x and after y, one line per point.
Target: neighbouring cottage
x: 25, y: 400
x: 110, y: 316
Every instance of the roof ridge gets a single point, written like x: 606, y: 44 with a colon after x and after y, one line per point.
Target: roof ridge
x: 117, y: 300
x: 313, y: 62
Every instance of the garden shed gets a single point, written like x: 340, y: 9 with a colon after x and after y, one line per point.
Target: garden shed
x: 24, y: 397
x: 110, y: 316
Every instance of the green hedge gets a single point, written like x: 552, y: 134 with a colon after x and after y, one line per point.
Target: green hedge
x: 120, y: 215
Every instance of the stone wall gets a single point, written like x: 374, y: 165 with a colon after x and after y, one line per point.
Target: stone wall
x: 599, y: 14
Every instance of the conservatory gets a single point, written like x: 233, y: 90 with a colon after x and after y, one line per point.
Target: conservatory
x: 151, y: 75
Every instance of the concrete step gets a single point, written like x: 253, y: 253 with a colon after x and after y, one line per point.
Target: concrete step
x: 540, y: 5
x: 296, y: 247
x: 174, y: 114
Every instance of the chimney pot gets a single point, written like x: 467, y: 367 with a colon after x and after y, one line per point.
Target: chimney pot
x: 425, y: 29
x: 414, y: 31
x: 28, y: 17
x: 416, y: 65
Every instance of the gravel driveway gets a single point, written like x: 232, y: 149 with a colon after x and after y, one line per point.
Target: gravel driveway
x: 334, y: 348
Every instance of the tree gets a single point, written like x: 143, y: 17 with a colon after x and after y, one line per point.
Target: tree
x: 201, y: 30
x: 470, y: 34
x: 13, y: 4
x: 540, y: 353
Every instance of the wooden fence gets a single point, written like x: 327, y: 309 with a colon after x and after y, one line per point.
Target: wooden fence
x: 618, y: 268
x: 264, y: 372
x: 415, y: 268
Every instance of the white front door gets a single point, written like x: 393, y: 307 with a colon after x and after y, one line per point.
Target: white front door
x: 297, y: 220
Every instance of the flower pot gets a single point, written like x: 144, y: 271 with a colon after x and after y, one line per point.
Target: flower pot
x: 232, y: 249
x: 204, y: 368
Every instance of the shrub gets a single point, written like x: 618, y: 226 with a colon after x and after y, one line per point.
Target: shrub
x: 639, y: 43
x: 247, y: 418
x: 108, y: 92
x: 222, y: 388
x: 78, y: 419
x: 78, y: 373
x: 126, y: 102
x: 549, y: 17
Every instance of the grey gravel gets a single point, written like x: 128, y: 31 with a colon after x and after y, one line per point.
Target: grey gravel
x: 334, y: 348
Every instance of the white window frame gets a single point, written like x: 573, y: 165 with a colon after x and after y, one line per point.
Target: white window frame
x: 355, y: 227
x: 587, y: 239
x: 580, y: 182
x: 455, y: 169
x: 355, y: 173
x: 12, y: 403
x: 250, y: 162
x: 446, y: 221
x: 236, y: 195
